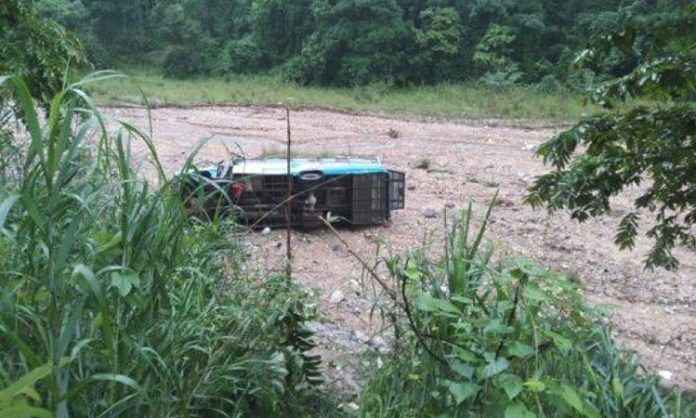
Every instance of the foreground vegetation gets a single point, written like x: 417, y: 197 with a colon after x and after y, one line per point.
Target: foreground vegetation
x: 444, y: 100
x: 114, y: 302
x: 503, y: 338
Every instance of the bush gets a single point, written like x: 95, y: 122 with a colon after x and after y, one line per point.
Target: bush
x: 508, y: 339
x: 549, y: 84
x: 242, y: 56
x: 179, y: 61
x: 114, y: 302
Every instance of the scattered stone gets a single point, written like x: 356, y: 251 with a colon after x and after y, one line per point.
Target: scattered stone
x: 278, y: 244
x: 266, y: 231
x: 430, y: 213
x: 423, y: 164
x: 443, y: 172
x: 393, y: 133
x: 530, y: 147
x: 378, y: 343
x: 315, y: 327
x: 337, y: 297
x: 665, y: 374
x: 350, y: 407
x: 361, y: 337
x: 450, y: 205
x: 501, y: 201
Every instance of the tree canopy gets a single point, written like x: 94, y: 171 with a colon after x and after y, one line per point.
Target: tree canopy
x: 351, y: 42
x: 649, y: 146
x: 37, y: 49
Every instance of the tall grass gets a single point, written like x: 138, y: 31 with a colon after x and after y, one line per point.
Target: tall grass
x: 504, y: 339
x: 444, y: 100
x: 113, y: 301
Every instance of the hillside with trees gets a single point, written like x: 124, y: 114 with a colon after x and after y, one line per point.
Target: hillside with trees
x: 354, y: 42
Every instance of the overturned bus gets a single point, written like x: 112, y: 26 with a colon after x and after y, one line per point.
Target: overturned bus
x: 355, y: 191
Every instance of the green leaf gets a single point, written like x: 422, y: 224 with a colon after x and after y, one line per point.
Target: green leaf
x: 497, y: 328
x: 535, y: 385
x: 5, y: 208
x: 24, y: 411
x: 428, y: 303
x: 518, y: 410
x: 118, y: 378
x: 535, y: 294
x: 617, y: 387
x: 26, y: 382
x: 517, y: 349
x: 561, y: 342
x: 412, y: 271
x: 512, y: 386
x: 572, y: 398
x: 495, y: 367
x: 463, y: 391
x: 124, y: 282
x: 462, y: 369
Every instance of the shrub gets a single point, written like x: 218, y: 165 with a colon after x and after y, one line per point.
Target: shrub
x: 242, y: 56
x: 114, y: 302
x: 504, y: 338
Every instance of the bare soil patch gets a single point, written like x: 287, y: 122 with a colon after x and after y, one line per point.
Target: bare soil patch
x: 654, y: 312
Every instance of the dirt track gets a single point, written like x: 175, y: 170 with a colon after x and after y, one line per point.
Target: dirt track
x: 654, y: 312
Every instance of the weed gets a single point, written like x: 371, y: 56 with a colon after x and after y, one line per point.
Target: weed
x: 509, y: 338
x: 114, y: 302
x: 445, y: 100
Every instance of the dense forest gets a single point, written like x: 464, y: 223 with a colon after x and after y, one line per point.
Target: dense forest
x: 355, y: 42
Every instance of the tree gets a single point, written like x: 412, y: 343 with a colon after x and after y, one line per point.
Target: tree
x: 438, y: 41
x: 649, y: 146
x: 280, y: 26
x: 356, y: 42
x: 37, y: 49
x: 493, y: 55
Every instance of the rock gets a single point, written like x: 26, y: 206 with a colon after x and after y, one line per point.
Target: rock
x: 530, y: 147
x: 378, y: 343
x: 450, y: 205
x: 315, y: 327
x: 411, y: 187
x: 278, y: 244
x: 336, y: 297
x: 665, y: 374
x: 430, y: 213
x: 393, y: 133
x: 361, y: 337
x: 266, y: 231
